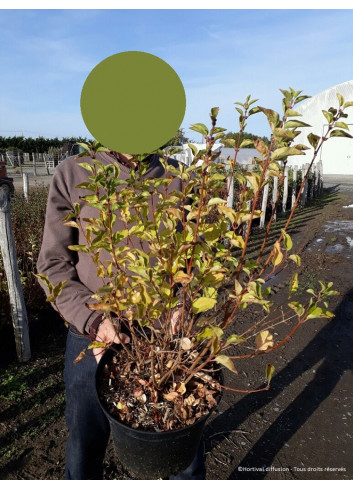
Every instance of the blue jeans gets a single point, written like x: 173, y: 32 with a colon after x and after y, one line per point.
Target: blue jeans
x: 88, y: 426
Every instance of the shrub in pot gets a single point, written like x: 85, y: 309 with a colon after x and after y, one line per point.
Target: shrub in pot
x: 181, y: 283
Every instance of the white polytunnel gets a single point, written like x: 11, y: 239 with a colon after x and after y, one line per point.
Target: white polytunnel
x: 337, y: 152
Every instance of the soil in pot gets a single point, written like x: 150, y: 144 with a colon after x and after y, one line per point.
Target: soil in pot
x: 155, y: 434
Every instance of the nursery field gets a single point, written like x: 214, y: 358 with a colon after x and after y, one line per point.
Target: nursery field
x: 300, y: 429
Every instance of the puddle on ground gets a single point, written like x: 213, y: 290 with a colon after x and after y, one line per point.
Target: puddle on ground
x: 338, y: 239
x: 338, y: 226
x: 334, y: 249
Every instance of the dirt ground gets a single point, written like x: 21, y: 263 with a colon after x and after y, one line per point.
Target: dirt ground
x: 301, y: 428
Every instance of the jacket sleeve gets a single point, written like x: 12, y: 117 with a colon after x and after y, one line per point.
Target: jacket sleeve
x: 58, y: 262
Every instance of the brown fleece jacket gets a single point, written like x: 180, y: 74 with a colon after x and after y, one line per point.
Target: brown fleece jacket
x: 56, y: 260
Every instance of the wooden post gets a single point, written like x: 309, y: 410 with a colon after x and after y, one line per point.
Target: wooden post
x: 320, y: 176
x: 34, y: 165
x: 285, y: 190
x: 315, y: 181
x: 264, y: 205
x: 18, y: 308
x: 20, y: 163
x: 304, y: 196
x: 25, y: 185
x: 294, y: 187
x: 274, y: 196
x: 46, y: 163
x: 230, y: 185
x: 246, y: 225
x: 312, y: 183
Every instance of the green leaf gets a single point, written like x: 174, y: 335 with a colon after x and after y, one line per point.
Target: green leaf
x: 283, y: 153
x: 103, y: 307
x: 72, y: 224
x: 84, y: 146
x: 254, y: 110
x: 246, y: 142
x: 295, y: 123
x: 254, y: 180
x: 211, y: 332
x: 228, y: 212
x: 237, y: 287
x: 43, y: 278
x: 80, y: 248
x: 216, y: 200
x: 340, y: 99
x: 87, y: 166
x: 338, y: 133
x: 105, y: 289
x: 301, y: 98
x: 206, y: 334
x: 201, y: 128
x: 182, y: 278
x: 226, y: 362
x: 318, y: 312
x: 313, y: 139
x: 287, y: 240
x: 58, y: 288
x: 342, y: 125
x: 213, y: 278
x: 203, y: 304
x: 348, y: 104
x: 96, y: 344
x: 193, y: 149
x: 216, y: 130
x: 297, y: 308
x: 269, y: 372
x: 102, y: 149
x: 229, y: 142
x: 214, y: 112
x: 328, y: 116
x: 235, y: 338
x: 292, y: 113
x: 296, y: 259
x: 272, y: 116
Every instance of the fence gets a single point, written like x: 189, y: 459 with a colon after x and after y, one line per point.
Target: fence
x: 20, y: 160
x: 293, y: 177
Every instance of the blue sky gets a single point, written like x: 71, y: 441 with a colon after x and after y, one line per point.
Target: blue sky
x: 221, y: 56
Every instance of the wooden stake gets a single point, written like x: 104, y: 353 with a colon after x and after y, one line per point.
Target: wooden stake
x: 18, y: 308
x: 34, y: 165
x: 304, y: 196
x: 274, y: 196
x: 25, y: 185
x: 264, y: 205
x: 294, y: 187
x: 285, y: 189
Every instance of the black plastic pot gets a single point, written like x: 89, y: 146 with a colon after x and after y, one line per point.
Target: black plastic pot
x: 152, y: 455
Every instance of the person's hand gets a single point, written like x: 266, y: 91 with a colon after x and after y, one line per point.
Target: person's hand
x: 108, y: 333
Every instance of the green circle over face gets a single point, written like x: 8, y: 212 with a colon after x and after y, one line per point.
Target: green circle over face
x: 133, y: 102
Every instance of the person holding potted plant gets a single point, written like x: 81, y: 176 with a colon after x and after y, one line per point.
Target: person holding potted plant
x: 88, y: 426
